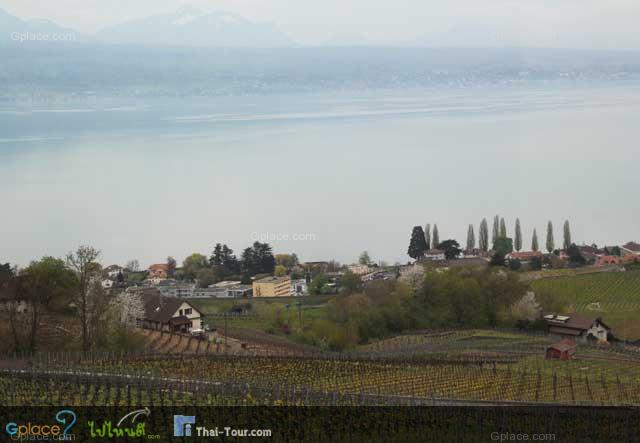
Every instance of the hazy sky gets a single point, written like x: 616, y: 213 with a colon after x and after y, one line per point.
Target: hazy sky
x: 549, y: 23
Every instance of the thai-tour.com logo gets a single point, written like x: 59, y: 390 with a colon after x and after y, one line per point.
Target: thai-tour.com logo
x: 185, y: 426
x: 57, y: 430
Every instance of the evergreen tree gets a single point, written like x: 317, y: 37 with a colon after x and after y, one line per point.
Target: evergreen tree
x: 471, y: 239
x: 534, y: 241
x: 484, y: 235
x: 503, y: 228
x: 567, y: 235
x: 550, y: 243
x: 427, y: 235
x: 517, y: 240
x: 436, y: 237
x: 417, y: 244
x: 495, y: 233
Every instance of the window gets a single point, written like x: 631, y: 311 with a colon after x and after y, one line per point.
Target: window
x: 188, y: 311
x: 180, y: 311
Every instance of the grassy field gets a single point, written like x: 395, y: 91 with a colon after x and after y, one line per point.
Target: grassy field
x: 262, y: 310
x: 613, y: 296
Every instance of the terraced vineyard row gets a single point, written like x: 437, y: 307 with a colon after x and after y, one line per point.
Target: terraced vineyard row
x: 531, y: 380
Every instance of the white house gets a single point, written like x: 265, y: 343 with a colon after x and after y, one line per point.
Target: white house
x: 169, y: 314
x: 434, y: 254
x: 299, y: 287
x: 577, y: 327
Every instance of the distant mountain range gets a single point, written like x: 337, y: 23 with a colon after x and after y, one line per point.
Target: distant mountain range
x: 194, y: 27
x: 186, y: 27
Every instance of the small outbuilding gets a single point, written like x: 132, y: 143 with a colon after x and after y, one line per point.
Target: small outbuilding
x: 563, y: 350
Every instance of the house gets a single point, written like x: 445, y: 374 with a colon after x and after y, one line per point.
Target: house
x: 113, y: 271
x: 434, y: 254
x: 577, y: 327
x: 272, y: 287
x: 606, y: 260
x: 563, y: 350
x: 632, y: 248
x: 524, y: 257
x: 158, y: 271
x: 239, y: 291
x: 10, y: 299
x: 168, y: 314
x: 299, y: 287
x: 359, y: 269
x: 225, y: 284
x: 179, y: 290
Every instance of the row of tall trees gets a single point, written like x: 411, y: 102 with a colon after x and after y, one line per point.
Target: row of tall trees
x: 500, y: 231
x: 425, y: 239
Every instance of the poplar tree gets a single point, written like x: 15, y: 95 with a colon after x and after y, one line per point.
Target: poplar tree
x: 471, y: 239
x: 550, y: 243
x: 503, y: 228
x: 534, y: 241
x: 436, y: 237
x: 427, y: 235
x: 484, y: 235
x: 567, y: 235
x: 517, y: 240
x: 495, y: 233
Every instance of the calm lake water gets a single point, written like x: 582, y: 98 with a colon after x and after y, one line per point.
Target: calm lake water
x: 325, y: 176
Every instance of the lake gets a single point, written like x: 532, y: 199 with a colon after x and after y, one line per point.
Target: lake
x: 323, y: 175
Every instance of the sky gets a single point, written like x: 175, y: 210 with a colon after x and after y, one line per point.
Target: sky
x: 600, y: 24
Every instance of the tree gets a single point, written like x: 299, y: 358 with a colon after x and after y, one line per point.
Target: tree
x: 6, y: 271
x: 319, y: 285
x: 534, y: 241
x: 83, y: 263
x: 350, y: 283
x: 194, y: 264
x: 567, y: 235
x: 495, y: 234
x: 517, y: 240
x: 171, y: 267
x: 427, y: 235
x: 206, y: 277
x: 471, y: 239
x: 451, y: 249
x: 280, y: 271
x: 550, y: 243
x: 616, y: 251
x: 287, y: 260
x: 364, y: 259
x: 504, y: 246
x: 484, y: 236
x: 417, y: 244
x: 258, y: 259
x: 575, y: 256
x: 132, y: 266
x: 44, y: 282
x: 436, y: 238
x: 503, y: 228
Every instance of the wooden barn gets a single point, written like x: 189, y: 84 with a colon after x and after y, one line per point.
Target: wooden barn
x: 563, y: 350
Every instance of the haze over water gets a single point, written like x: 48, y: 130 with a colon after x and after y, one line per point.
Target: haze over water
x: 324, y: 175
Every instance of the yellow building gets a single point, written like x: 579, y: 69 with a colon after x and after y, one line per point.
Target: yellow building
x: 272, y: 287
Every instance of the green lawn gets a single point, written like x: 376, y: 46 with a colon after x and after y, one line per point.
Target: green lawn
x: 614, y: 296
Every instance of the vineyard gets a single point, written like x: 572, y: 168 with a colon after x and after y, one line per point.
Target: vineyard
x: 615, y: 296
x: 455, y: 367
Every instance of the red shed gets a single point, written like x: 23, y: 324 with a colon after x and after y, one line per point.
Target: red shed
x: 563, y: 350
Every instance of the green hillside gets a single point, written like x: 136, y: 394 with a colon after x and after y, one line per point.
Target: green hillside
x: 614, y: 296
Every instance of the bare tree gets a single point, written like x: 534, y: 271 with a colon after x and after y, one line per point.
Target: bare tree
x: 83, y: 262
x: 133, y: 265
